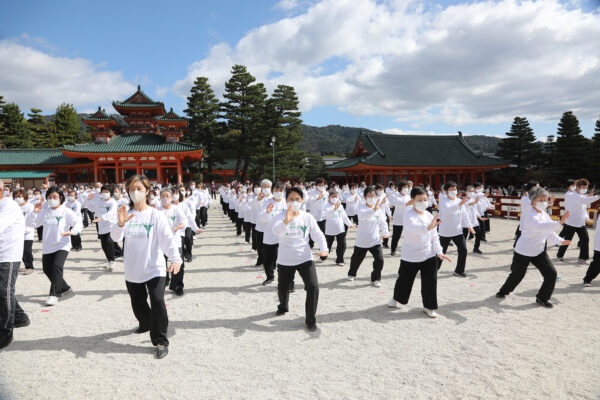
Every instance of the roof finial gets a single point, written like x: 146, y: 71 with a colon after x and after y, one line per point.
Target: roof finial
x: 139, y: 88
x: 171, y: 110
x: 98, y: 108
x: 460, y: 133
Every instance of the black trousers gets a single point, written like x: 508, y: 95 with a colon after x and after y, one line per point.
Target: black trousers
x: 40, y: 233
x: 270, y: 259
x: 111, y: 248
x: 478, y: 236
x: 461, y: 246
x: 84, y: 217
x: 486, y: 223
x: 175, y: 281
x: 308, y: 272
x: 197, y: 219
x: 203, y: 216
x: 396, y: 236
x: 247, y: 231
x: 353, y: 218
x: 253, y: 236
x: 259, y: 247
x: 519, y: 268
x: 594, y: 268
x: 213, y: 193
x: 567, y: 233
x: 340, y: 247
x: 153, y: 316
x: 386, y: 240
x: 406, y: 278
x: 188, y: 243
x: 10, y: 310
x: 53, y: 265
x: 239, y: 222
x: 321, y: 224
x: 76, y: 242
x: 28, y: 254
x: 359, y: 255
x: 517, y: 235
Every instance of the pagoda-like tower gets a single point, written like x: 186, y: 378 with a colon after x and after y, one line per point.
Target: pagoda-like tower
x: 140, y: 113
x: 172, y: 126
x: 102, y: 124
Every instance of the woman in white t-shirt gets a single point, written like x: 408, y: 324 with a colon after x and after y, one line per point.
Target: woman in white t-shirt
x: 336, y: 222
x: 294, y: 228
x: 149, y: 238
x: 22, y: 197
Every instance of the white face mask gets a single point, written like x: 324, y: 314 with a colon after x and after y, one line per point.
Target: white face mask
x: 452, y: 194
x: 379, y: 192
x: 371, y: 201
x: 98, y: 190
x: 71, y: 199
x: 53, y: 203
x: 176, y: 197
x: 29, y: 194
x: 137, y: 196
x: 320, y: 188
x: 295, y: 205
x: 572, y: 188
x: 106, y: 196
x: 427, y: 188
x: 353, y: 191
x: 582, y: 191
x: 165, y: 201
x: 20, y: 200
x: 333, y: 200
x: 420, y: 206
x: 541, y: 205
x: 151, y: 197
x: 405, y: 191
x: 192, y: 187
x: 277, y: 195
x: 478, y: 190
x: 117, y: 195
x: 256, y: 190
x: 266, y: 191
x: 470, y: 194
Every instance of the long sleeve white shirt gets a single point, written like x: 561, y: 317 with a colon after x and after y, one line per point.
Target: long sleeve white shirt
x: 148, y: 238
x: 294, y: 237
x: 370, y: 222
x: 398, y: 201
x: 279, y: 207
x: 420, y: 243
x: 352, y: 203
x: 335, y: 220
x: 56, y: 221
x: 258, y: 207
x: 577, y: 204
x: 597, y: 238
x: 175, y: 216
x: 536, y: 228
x: 26, y: 209
x: 12, y: 231
x: 452, y: 214
x: 317, y: 205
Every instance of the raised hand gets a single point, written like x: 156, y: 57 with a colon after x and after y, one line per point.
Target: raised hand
x: 564, y: 217
x: 289, y: 215
x: 434, y: 222
x: 377, y: 205
x: 38, y: 207
x: 270, y: 208
x: 337, y: 205
x: 123, y: 216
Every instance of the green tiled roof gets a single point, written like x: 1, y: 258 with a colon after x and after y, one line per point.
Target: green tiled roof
x: 35, y: 157
x: 170, y: 116
x: 383, y: 150
x: 147, y: 103
x: 228, y: 164
x: 24, y: 174
x: 139, y: 143
x: 100, y: 115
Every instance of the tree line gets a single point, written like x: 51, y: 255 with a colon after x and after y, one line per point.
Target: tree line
x: 568, y: 155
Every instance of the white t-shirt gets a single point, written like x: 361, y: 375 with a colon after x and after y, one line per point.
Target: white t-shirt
x: 12, y: 231
x: 279, y: 207
x: 294, y: 237
x: 398, y: 201
x: 577, y: 204
x: 317, y: 205
x: 148, y: 238
x: 452, y: 215
x: 55, y: 222
x: 536, y: 228
x: 335, y: 220
x: 27, y: 208
x: 419, y: 243
x: 369, y: 224
x: 352, y: 203
x: 175, y: 216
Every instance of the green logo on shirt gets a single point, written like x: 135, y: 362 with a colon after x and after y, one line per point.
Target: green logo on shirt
x: 58, y: 219
x: 173, y: 219
x: 107, y: 209
x: 303, y: 227
x: 147, y: 227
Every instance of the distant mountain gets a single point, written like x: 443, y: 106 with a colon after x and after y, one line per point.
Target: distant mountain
x: 340, y: 140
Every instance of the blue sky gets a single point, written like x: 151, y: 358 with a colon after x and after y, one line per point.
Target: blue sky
x: 395, y: 66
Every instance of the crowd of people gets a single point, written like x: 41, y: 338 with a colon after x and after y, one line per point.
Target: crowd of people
x: 152, y: 228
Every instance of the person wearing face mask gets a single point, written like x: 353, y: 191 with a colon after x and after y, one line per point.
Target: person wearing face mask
x: 81, y: 197
x: 525, y: 206
x: 74, y: 205
x: 594, y: 269
x: 37, y: 197
x: 316, y: 205
x: 420, y: 250
x: 385, y: 207
x: 536, y: 229
x: 263, y: 198
x: 337, y: 220
x: 204, y: 201
x: 149, y: 239
x: 475, y: 217
x: 452, y: 214
x: 577, y: 203
x: 118, y: 196
x: 371, y: 220
x: 105, y: 208
x: 483, y: 206
x: 21, y: 197
x: 250, y: 212
x: 431, y: 203
x: 246, y: 210
x: 271, y: 210
x: 293, y: 229
x: 352, y: 203
x: 177, y: 221
x: 56, y: 220
x: 399, y: 200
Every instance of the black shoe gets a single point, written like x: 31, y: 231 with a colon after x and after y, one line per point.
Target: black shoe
x: 477, y: 251
x: 500, y: 295
x: 141, y: 330
x: 161, y: 351
x: 188, y: 259
x: 385, y: 246
x: 179, y: 292
x: 258, y: 264
x: 5, y: 341
x: 450, y: 244
x: 311, y: 327
x: 268, y: 281
x: 279, y: 313
x: 393, y: 253
x: 460, y: 274
x: 23, y: 323
x: 484, y: 240
x: 544, y: 303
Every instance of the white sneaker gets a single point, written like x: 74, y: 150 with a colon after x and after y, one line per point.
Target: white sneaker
x: 582, y: 261
x: 430, y: 313
x: 52, y: 300
x: 376, y: 283
x: 68, y: 292
x: 340, y: 264
x: 350, y: 278
x: 110, y: 266
x: 393, y: 304
x: 587, y: 284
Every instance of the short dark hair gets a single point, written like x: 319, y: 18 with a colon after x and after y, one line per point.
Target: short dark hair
x: 277, y: 185
x: 55, y: 189
x: 417, y: 190
x: 293, y: 190
x: 449, y: 184
x: 402, y: 184
x: 378, y: 186
x: 477, y: 184
x: 368, y: 190
x: 320, y: 181
x: 110, y: 189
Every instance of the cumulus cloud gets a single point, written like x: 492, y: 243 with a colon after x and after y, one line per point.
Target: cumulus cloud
x: 467, y: 63
x: 32, y: 78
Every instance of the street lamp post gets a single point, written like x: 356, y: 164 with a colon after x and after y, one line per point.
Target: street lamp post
x: 273, y: 145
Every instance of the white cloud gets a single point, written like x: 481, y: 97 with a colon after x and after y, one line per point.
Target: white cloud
x: 32, y: 78
x: 468, y: 63
x: 287, y: 5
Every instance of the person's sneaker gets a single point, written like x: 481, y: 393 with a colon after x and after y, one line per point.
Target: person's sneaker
x: 376, y: 283
x: 500, y: 295
x: 311, y: 327
x: 544, y: 303
x: 279, y: 313
x: 22, y: 269
x: 51, y: 301
x: 341, y: 264
x: 484, y: 240
x: 385, y: 246
x: 110, y: 267
x: 460, y: 274
x: 393, y: 253
x: 28, y: 271
x: 560, y: 258
x: 161, y: 351
x: 23, y: 323
x: 5, y: 341
x: 477, y: 251
x: 140, y: 330
x: 178, y: 292
x: 268, y: 281
x: 393, y: 304
x: 587, y: 284
x: 350, y: 278
x: 68, y: 292
x: 582, y: 261
x: 188, y: 259
x: 430, y: 313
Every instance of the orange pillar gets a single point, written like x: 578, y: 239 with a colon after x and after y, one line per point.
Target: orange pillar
x: 95, y: 171
x: 483, y: 177
x: 159, y: 172
x: 179, y: 176
x: 370, y: 177
x: 138, y: 170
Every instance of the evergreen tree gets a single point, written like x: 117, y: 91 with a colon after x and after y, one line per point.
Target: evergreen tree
x: 16, y: 131
x: 37, y: 126
x: 570, y: 148
x: 67, y: 125
x: 315, y: 167
x: 594, y: 156
x: 2, y: 103
x: 204, y: 112
x: 520, y: 147
x: 243, y: 109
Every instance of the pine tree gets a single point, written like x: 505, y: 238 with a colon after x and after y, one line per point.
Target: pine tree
x: 594, y: 156
x: 16, y: 131
x: 37, y: 126
x: 570, y: 148
x: 243, y: 109
x: 520, y: 147
x: 315, y: 167
x: 67, y: 125
x: 204, y: 112
x: 2, y: 103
